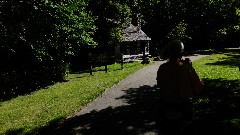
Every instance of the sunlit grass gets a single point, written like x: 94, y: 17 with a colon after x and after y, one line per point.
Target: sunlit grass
x: 219, y: 66
x: 28, y: 113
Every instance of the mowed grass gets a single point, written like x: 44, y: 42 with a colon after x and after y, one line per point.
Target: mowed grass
x: 220, y: 65
x: 29, y: 113
x: 217, y: 109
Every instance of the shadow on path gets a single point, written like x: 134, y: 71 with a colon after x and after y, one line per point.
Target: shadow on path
x: 136, y: 118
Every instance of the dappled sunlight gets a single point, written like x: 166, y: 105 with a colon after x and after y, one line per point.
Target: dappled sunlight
x: 225, y: 65
x: 230, y: 59
x: 218, y: 106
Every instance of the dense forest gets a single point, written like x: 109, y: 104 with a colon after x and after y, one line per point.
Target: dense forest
x: 40, y: 38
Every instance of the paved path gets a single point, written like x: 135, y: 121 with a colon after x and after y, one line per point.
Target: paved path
x: 145, y: 76
x: 127, y: 108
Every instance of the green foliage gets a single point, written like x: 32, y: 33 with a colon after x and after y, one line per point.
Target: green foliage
x: 111, y: 16
x: 115, y: 36
x: 77, y: 24
x: 37, y: 38
x: 120, y: 12
x: 179, y: 32
x: 203, y: 19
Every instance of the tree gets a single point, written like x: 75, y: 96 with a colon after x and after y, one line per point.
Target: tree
x: 37, y: 38
x: 111, y: 17
x: 204, y: 21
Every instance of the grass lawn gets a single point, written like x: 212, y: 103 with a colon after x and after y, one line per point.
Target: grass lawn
x: 217, y: 110
x: 26, y: 114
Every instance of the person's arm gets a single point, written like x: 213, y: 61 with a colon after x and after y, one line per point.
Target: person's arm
x: 197, y: 84
x: 158, y: 77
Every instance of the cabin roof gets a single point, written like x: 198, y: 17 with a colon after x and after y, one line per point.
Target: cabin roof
x: 134, y: 33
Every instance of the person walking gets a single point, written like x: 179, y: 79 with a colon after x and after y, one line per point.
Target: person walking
x: 178, y: 83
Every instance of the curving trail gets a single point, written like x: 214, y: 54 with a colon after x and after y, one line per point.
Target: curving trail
x: 128, y: 108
